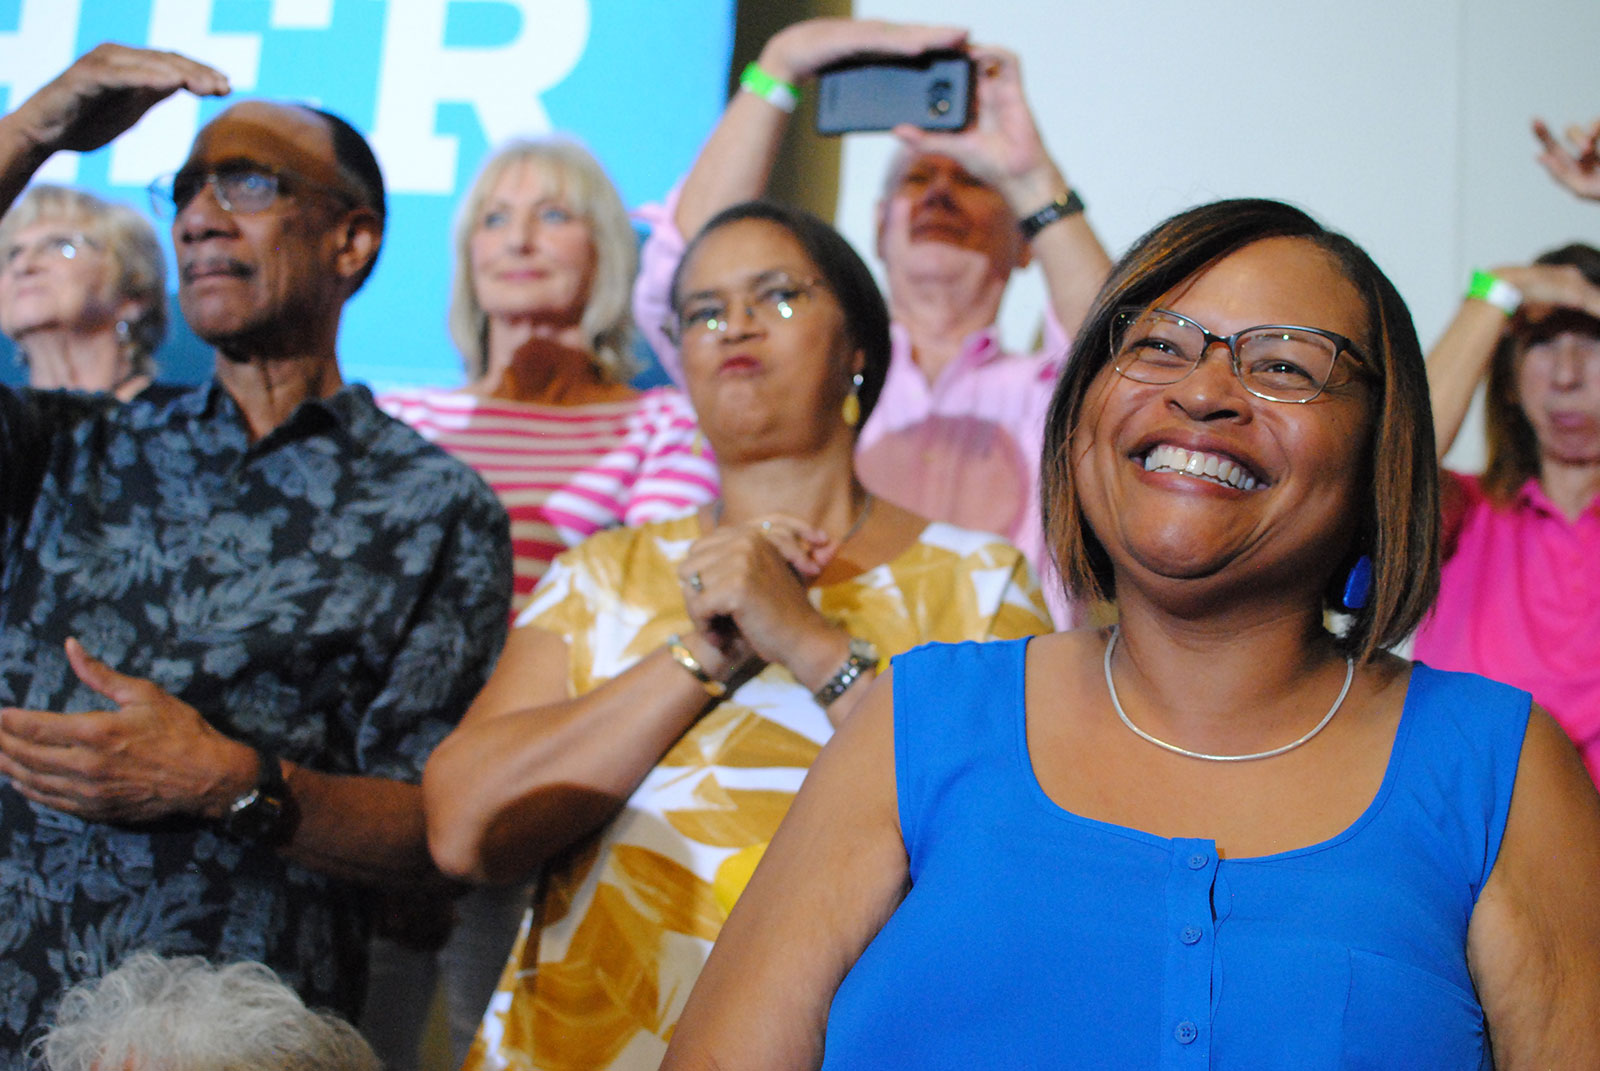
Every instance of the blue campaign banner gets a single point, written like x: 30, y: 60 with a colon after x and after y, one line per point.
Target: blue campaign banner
x: 435, y: 84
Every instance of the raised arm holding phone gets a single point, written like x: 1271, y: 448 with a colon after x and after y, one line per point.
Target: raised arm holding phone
x: 957, y: 436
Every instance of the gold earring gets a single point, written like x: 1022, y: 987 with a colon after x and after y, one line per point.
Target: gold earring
x: 851, y: 410
x: 697, y: 446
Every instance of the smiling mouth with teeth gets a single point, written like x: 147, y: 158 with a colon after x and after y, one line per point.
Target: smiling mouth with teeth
x: 1211, y: 467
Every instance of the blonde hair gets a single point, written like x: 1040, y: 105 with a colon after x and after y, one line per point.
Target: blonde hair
x: 577, y: 176
x: 140, y: 269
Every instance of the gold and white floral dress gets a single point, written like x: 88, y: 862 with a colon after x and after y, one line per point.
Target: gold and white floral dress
x: 621, y: 925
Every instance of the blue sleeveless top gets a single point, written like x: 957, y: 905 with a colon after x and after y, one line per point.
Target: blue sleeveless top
x: 1035, y: 938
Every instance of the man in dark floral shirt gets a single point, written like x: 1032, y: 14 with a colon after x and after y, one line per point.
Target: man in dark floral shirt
x: 233, y: 625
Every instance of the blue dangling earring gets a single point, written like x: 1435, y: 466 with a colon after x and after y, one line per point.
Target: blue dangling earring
x: 1358, y: 584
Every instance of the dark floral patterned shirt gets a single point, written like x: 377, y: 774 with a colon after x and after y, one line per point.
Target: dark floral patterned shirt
x: 336, y: 592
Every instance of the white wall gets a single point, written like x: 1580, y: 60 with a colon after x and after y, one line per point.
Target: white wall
x: 1403, y: 124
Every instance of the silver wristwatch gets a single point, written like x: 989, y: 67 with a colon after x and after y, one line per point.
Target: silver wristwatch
x: 862, y: 657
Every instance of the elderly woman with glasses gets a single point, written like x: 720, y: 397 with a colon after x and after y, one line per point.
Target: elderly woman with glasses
x: 1223, y: 833
x: 661, y: 698
x: 82, y: 291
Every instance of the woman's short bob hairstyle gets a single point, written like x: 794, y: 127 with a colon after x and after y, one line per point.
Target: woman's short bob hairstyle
x: 844, y: 273
x: 1513, y: 446
x: 571, y: 174
x: 139, y: 271
x: 1398, y: 524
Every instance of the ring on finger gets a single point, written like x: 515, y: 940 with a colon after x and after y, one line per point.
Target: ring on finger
x: 696, y: 585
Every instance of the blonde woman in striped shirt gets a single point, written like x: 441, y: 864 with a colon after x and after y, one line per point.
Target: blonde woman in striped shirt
x: 545, y: 261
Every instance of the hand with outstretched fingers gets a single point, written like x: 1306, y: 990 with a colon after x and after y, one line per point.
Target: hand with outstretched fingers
x: 1574, y: 162
x: 105, y: 92
x: 150, y: 757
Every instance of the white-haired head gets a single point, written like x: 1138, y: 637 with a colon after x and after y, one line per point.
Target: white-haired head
x: 186, y: 1014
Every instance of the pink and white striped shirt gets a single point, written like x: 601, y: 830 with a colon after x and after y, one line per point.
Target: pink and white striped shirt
x: 565, y: 472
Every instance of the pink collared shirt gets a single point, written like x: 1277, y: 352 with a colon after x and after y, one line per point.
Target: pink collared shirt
x: 1520, y: 602
x: 964, y: 448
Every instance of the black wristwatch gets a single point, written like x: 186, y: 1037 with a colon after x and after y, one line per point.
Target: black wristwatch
x: 267, y: 812
x: 1060, y: 208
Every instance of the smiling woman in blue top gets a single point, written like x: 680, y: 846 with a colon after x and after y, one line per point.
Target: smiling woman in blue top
x: 1219, y: 835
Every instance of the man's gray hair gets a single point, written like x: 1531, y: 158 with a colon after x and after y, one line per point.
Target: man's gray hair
x: 186, y: 1014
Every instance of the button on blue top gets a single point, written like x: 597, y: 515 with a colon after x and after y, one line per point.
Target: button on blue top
x: 1186, y: 1032
x: 1198, y: 861
x: 1191, y: 934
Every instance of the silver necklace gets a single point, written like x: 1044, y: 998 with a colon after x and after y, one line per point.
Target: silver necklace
x: 1116, y: 704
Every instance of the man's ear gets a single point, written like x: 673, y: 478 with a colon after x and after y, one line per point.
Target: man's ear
x: 360, y: 236
x: 881, y: 215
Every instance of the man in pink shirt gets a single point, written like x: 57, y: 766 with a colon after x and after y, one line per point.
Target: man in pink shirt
x: 958, y: 428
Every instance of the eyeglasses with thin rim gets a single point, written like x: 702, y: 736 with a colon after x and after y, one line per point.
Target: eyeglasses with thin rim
x: 772, y: 299
x: 64, y: 246
x: 242, y: 189
x: 1275, y: 362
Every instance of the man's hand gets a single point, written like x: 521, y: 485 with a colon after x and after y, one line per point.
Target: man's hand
x: 105, y: 92
x: 151, y: 757
x: 1576, y: 163
x: 1001, y: 145
x: 797, y: 52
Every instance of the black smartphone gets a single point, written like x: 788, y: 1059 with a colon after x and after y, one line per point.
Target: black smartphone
x: 933, y: 91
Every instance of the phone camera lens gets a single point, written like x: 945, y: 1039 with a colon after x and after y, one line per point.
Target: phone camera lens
x: 939, y: 102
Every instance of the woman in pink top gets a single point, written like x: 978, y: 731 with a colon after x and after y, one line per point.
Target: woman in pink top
x: 1519, y: 599
x: 545, y: 262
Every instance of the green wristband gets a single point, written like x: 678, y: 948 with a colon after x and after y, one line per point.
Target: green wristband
x: 1494, y: 290
x: 779, y: 94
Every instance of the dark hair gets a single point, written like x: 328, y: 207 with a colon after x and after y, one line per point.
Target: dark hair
x: 1397, y: 526
x: 846, y: 275
x: 356, y: 159
x: 1513, y: 446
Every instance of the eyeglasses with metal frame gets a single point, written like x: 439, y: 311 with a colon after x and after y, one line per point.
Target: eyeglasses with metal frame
x: 243, y: 188
x: 66, y: 246
x: 771, y: 299
x: 1275, y: 362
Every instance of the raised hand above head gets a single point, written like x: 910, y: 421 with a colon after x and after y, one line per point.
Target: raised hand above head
x: 107, y: 90
x: 797, y: 52
x: 1553, y: 285
x: 1002, y: 145
x: 1575, y: 162
x: 102, y: 94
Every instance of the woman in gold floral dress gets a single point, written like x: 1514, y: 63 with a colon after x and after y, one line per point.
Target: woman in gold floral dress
x: 659, y: 702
